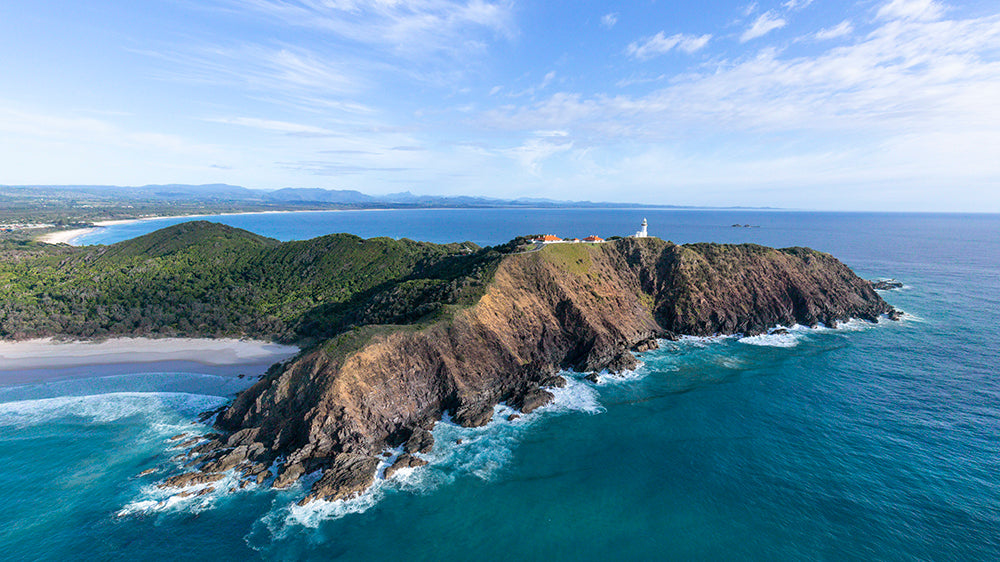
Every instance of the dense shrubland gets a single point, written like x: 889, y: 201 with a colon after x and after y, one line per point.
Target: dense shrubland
x: 206, y: 279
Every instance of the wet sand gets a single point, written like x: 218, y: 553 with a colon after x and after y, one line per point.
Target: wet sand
x: 36, y: 361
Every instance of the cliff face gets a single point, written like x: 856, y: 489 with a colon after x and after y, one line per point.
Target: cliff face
x: 578, y: 306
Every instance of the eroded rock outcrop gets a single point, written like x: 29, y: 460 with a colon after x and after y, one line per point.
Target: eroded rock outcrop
x: 336, y: 407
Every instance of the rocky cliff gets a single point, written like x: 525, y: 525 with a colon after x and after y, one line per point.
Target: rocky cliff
x: 585, y: 307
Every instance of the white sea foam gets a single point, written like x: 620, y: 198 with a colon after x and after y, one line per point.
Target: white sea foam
x: 481, y: 452
x: 780, y: 336
x: 604, y: 378
x: 105, y: 408
x: 700, y: 341
x: 153, y: 499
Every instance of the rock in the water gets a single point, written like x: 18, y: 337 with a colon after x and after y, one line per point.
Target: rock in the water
x: 555, y: 381
x: 513, y: 417
x: 593, y: 377
x: 147, y: 472
x: 227, y: 461
x: 347, y: 477
x: 886, y: 284
x: 178, y: 436
x: 646, y: 345
x: 196, y: 493
x: 624, y: 361
x: 895, y: 315
x: 263, y: 477
x: 288, y: 476
x: 420, y: 441
x: 190, y: 442
x: 404, y: 461
x: 191, y: 479
x: 476, y: 415
x: 779, y: 331
x: 535, y: 399
x: 205, y: 416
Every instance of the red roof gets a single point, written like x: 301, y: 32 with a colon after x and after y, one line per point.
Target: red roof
x: 593, y: 238
x: 550, y: 238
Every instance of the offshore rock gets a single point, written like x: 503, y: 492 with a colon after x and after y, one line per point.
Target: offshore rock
x: 886, y: 284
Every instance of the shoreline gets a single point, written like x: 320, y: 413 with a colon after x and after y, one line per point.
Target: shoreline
x: 68, y: 236
x: 46, y: 359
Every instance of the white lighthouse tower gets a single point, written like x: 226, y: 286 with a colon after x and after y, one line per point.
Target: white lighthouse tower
x: 642, y: 230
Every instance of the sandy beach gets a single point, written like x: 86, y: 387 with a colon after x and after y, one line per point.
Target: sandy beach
x: 67, y: 236
x: 44, y: 359
x: 70, y: 236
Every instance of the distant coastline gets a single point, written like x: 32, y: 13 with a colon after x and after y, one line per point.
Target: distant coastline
x: 70, y: 236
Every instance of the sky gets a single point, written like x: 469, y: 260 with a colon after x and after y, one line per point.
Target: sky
x: 887, y: 105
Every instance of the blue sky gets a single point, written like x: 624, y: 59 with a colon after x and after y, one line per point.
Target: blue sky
x: 869, y: 105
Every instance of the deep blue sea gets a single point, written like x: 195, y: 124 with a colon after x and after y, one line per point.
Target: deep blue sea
x: 869, y: 442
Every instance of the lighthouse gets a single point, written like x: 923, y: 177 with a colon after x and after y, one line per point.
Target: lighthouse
x: 642, y: 230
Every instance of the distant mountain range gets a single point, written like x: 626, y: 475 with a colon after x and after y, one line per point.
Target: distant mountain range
x: 311, y: 197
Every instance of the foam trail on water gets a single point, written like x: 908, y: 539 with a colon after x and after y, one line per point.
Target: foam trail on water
x: 106, y: 408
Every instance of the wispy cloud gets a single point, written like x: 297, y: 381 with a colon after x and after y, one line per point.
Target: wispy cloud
x: 764, y: 24
x: 660, y: 44
x: 796, y: 4
x: 921, y: 10
x: 841, y: 29
x: 541, y: 146
x: 532, y: 90
x: 903, y: 78
x: 410, y: 28
x: 272, y: 125
x: 294, y: 75
x: 609, y: 20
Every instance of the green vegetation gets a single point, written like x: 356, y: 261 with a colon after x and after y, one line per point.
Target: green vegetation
x: 206, y: 279
x: 572, y: 258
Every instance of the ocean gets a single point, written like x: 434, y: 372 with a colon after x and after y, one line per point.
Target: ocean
x: 868, y: 442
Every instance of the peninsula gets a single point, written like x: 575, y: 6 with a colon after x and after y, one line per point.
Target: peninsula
x: 397, y: 333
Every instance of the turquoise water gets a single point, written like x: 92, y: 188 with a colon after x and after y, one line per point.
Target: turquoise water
x: 863, y: 443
